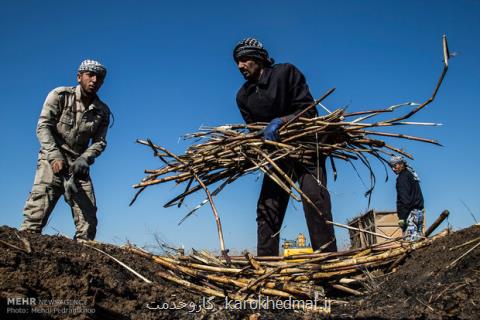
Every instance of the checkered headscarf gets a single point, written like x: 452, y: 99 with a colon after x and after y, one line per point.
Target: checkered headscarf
x: 92, y: 66
x: 399, y: 159
x: 396, y: 159
x: 251, y: 48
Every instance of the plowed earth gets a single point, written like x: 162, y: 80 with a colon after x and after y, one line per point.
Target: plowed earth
x: 62, y: 279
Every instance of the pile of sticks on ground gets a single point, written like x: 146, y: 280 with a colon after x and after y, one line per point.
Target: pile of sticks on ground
x: 307, y: 276
x: 229, y: 152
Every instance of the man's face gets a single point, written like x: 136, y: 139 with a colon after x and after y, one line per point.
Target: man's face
x: 250, y: 69
x: 398, y: 167
x: 90, y: 82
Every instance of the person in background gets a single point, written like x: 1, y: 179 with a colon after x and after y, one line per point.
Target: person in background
x: 410, y: 209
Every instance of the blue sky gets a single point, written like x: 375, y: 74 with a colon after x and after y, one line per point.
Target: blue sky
x: 170, y: 70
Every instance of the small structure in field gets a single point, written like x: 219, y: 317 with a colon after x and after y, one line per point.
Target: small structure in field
x: 381, y: 222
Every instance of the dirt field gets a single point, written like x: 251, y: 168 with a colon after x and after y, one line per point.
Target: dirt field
x: 426, y: 287
x: 62, y: 279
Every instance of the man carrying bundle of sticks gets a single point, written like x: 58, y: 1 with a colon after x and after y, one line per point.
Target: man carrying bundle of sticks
x: 410, y: 209
x: 276, y: 93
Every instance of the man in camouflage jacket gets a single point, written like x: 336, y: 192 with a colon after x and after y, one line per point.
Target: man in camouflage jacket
x: 72, y: 131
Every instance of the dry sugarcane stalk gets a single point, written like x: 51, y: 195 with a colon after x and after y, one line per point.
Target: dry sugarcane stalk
x: 403, y: 136
x: 215, y: 213
x: 464, y: 244
x: 346, y: 289
x: 120, y: 263
x: 254, y: 262
x: 446, y: 56
x: 26, y: 243
x: 189, y: 285
x: 437, y: 222
x: 463, y: 255
x: 359, y: 230
x: 13, y: 246
x: 349, y: 281
x: 308, y: 108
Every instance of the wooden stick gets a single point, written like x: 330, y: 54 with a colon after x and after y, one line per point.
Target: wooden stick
x: 189, y: 285
x: 359, y: 230
x: 253, y: 262
x: 307, y: 109
x: 463, y: 255
x: 215, y: 213
x: 464, y: 244
x: 120, y: 263
x: 346, y: 289
x: 437, y: 222
x: 440, y: 80
x: 13, y: 246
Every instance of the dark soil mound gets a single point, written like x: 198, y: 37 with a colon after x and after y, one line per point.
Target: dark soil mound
x: 68, y: 280
x: 427, y: 285
x: 63, y: 279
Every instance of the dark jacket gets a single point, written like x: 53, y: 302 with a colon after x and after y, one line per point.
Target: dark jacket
x: 281, y: 91
x: 409, y: 194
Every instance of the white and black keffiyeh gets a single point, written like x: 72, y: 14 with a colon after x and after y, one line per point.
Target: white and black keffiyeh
x: 92, y: 66
x: 399, y: 159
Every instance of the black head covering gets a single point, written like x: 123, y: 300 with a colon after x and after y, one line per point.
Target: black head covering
x: 251, y: 48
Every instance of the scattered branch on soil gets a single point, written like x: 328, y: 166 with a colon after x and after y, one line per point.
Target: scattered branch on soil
x: 463, y: 255
x: 26, y: 243
x: 12, y: 246
x: 464, y: 244
x: 120, y: 263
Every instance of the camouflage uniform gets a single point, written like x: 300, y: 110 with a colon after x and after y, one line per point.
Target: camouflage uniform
x: 66, y: 130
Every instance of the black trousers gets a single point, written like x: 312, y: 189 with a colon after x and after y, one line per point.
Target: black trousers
x: 273, y: 203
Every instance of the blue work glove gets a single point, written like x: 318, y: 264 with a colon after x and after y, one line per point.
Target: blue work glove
x: 270, y: 132
x: 70, y: 189
x: 80, y: 168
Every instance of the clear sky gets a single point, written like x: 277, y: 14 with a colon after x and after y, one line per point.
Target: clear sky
x: 170, y: 70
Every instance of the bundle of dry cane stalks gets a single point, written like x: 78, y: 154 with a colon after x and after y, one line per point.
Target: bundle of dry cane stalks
x: 302, y: 277
x: 232, y: 151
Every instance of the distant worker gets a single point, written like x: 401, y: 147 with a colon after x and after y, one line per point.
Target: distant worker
x: 72, y: 131
x: 275, y: 93
x: 410, y: 208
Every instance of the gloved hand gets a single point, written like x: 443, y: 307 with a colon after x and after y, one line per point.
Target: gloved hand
x: 70, y: 189
x: 270, y: 132
x: 80, y: 168
x: 402, y: 224
x: 58, y: 166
